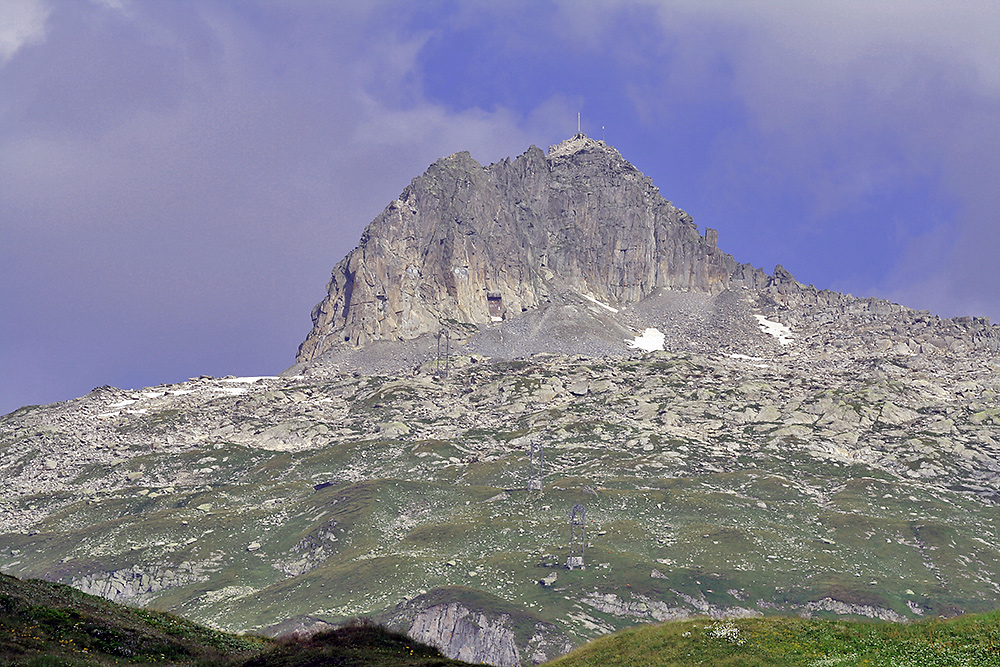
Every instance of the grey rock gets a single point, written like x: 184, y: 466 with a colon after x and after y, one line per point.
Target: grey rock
x: 476, y: 244
x: 462, y: 634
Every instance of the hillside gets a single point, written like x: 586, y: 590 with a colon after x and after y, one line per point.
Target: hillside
x: 792, y: 642
x: 43, y: 623
x: 741, y: 444
x: 54, y: 624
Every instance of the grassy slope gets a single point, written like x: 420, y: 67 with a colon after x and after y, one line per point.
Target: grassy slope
x: 708, y: 511
x: 972, y: 640
x: 45, y: 624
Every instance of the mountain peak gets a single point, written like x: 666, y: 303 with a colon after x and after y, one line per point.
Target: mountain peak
x: 515, y: 255
x: 477, y: 245
x: 578, y: 143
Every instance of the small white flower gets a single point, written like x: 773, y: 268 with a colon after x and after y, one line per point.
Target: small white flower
x: 726, y: 630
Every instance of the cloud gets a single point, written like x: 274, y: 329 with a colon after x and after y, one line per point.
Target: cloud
x: 860, y: 119
x: 911, y: 91
x: 22, y: 22
x: 178, y: 184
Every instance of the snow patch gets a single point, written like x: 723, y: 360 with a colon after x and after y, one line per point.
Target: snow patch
x: 122, y: 404
x: 249, y: 379
x: 602, y: 305
x: 781, y: 332
x: 649, y: 340
x: 756, y: 362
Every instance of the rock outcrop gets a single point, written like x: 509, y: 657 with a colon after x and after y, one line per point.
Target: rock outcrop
x: 134, y: 585
x: 470, y: 625
x: 476, y: 244
x: 465, y: 635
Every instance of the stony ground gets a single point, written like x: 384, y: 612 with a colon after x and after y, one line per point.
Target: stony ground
x: 744, y: 478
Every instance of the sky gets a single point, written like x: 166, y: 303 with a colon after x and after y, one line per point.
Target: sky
x: 178, y: 178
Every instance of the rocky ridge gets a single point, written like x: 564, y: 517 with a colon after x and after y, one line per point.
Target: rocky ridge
x: 567, y: 252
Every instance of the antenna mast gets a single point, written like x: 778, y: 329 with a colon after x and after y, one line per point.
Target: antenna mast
x: 578, y: 122
x: 577, y: 537
x: 444, y: 336
x: 535, y: 463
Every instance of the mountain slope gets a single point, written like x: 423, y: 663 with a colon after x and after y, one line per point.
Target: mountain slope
x: 742, y: 444
x: 42, y: 623
x: 712, y: 485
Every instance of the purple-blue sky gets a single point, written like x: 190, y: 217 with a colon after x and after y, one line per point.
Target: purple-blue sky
x: 177, y: 178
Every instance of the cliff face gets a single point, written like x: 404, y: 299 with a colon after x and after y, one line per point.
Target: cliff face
x: 475, y: 244
x: 465, y: 635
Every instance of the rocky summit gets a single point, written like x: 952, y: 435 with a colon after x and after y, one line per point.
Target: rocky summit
x: 537, y: 405
x: 472, y: 244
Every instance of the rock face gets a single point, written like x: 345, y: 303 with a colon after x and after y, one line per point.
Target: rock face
x: 134, y: 585
x: 471, y: 625
x: 523, y: 249
x: 475, y: 244
x: 465, y: 635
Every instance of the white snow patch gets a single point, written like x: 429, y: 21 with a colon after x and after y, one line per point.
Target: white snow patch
x: 152, y: 394
x: 776, y: 329
x: 180, y: 392
x: 649, y: 340
x: 744, y: 357
x: 758, y: 362
x: 122, y: 404
x: 494, y: 318
x: 602, y: 305
x: 249, y: 379
x: 233, y: 391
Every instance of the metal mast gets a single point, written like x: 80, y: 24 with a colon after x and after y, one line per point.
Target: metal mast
x: 443, y: 352
x: 577, y: 536
x: 535, y: 463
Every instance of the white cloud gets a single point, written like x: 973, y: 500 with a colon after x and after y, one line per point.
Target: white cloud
x: 219, y: 170
x: 827, y: 35
x: 22, y: 22
x: 860, y: 98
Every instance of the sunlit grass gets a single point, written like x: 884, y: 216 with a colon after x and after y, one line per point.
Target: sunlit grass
x: 968, y: 641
